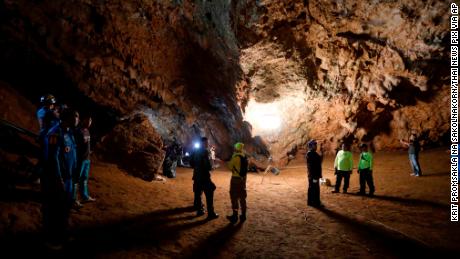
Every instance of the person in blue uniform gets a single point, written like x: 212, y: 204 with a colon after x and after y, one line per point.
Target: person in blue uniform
x: 60, y: 160
x: 47, y: 118
x: 46, y: 115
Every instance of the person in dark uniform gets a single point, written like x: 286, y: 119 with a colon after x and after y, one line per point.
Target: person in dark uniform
x: 201, y: 164
x: 59, y: 152
x: 414, y: 150
x: 314, y: 161
x: 83, y: 139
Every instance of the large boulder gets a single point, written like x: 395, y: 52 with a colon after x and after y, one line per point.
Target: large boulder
x: 135, y: 146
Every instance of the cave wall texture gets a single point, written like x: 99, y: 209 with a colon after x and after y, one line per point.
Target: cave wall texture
x: 334, y: 70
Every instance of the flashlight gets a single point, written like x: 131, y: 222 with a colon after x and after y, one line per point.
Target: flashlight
x: 196, y: 145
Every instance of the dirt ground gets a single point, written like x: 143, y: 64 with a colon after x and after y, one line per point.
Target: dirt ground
x: 136, y: 219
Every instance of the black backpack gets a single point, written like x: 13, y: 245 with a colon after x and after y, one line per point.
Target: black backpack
x: 244, y: 165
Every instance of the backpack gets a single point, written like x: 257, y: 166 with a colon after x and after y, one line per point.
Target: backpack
x: 244, y: 165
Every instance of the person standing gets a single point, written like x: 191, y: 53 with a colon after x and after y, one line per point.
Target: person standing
x: 201, y: 163
x: 46, y: 115
x: 366, y: 162
x: 314, y: 161
x: 47, y: 118
x: 213, y: 156
x: 343, y: 165
x: 239, y: 167
x: 59, y: 152
x: 414, y: 150
x: 83, y: 139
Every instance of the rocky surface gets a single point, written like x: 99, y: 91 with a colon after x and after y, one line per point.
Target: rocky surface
x: 176, y: 61
x: 349, y: 70
x: 135, y: 145
x: 331, y: 70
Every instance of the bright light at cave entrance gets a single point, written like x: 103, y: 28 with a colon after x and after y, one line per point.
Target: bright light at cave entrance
x: 263, y: 116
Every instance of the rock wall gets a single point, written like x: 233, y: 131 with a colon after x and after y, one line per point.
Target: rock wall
x: 349, y: 70
x: 331, y: 70
x: 176, y: 61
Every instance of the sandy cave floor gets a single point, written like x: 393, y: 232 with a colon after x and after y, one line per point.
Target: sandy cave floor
x: 132, y: 218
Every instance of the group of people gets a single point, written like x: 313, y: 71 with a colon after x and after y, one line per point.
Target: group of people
x: 201, y: 162
x: 65, y: 144
x: 343, y: 167
x: 65, y: 158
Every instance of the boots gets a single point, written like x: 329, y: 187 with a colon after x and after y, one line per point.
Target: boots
x: 234, y: 217
x: 212, y: 215
x: 243, y: 216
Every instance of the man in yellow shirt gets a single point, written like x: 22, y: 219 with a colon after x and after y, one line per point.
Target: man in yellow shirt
x: 343, y: 168
x: 239, y: 167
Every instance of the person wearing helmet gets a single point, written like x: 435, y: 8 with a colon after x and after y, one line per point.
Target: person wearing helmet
x: 201, y: 163
x: 46, y: 116
x: 60, y: 159
x: 47, y: 119
x: 239, y: 167
x: 314, y: 161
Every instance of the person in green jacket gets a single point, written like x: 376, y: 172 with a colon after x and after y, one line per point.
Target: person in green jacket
x: 239, y: 167
x: 343, y: 166
x: 366, y: 162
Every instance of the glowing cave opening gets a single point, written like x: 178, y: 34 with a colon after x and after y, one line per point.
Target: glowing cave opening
x: 264, y: 117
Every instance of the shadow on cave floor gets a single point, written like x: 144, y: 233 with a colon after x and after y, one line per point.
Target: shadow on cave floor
x: 210, y: 247
x: 138, y: 232
x: 384, y: 237
x: 405, y: 201
x: 442, y: 174
x: 18, y: 194
x: 134, y: 218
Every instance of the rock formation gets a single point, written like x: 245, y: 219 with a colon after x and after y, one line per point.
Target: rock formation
x: 294, y: 70
x: 135, y: 145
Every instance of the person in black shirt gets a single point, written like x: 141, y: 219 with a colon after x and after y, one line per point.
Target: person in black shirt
x: 314, y: 161
x: 414, y: 150
x: 201, y: 164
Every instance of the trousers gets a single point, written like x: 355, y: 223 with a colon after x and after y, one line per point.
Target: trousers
x: 208, y: 187
x: 346, y: 176
x: 238, y: 193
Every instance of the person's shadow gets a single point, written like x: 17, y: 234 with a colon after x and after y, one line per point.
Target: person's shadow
x: 441, y: 174
x: 405, y: 201
x: 141, y: 231
x: 210, y: 247
x: 388, y: 240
